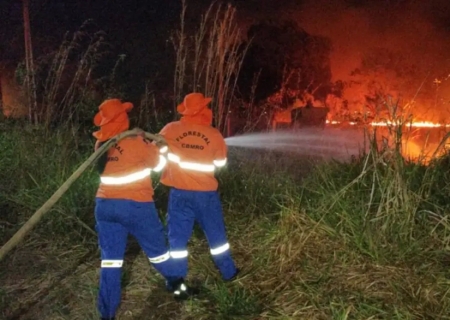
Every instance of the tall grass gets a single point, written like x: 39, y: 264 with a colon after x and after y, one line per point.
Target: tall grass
x: 367, y: 239
x: 58, y: 98
x: 210, y: 61
x: 34, y: 170
x: 360, y: 240
x: 68, y: 84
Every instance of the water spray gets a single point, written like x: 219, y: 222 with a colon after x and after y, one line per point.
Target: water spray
x: 327, y: 143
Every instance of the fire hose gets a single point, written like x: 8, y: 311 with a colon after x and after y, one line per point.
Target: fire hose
x: 37, y: 216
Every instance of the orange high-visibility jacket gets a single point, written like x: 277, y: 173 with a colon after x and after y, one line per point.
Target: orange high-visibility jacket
x: 194, y: 153
x: 127, y: 172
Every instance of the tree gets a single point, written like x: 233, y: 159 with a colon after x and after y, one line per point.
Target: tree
x: 288, y: 60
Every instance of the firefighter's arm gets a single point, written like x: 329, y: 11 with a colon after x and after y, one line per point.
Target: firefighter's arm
x: 157, y: 153
x: 163, y: 148
x: 154, y: 159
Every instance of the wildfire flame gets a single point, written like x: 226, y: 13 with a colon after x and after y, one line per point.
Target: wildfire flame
x: 416, y: 124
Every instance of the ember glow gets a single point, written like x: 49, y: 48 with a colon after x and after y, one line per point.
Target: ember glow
x: 421, y: 144
x: 414, y: 124
x: 374, y: 45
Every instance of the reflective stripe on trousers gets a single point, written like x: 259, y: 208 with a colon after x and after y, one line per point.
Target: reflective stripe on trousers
x: 214, y: 251
x: 161, y: 258
x: 186, y: 208
x: 112, y: 263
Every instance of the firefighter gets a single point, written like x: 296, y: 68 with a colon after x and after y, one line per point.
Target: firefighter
x: 195, y: 150
x: 124, y: 205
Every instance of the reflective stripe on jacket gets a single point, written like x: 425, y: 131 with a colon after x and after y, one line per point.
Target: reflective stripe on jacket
x: 194, y: 153
x: 128, y: 168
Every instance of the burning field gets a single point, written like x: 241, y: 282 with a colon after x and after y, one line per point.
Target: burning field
x: 419, y: 141
x: 363, y: 237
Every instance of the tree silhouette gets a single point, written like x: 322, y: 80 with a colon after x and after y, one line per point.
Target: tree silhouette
x: 286, y: 58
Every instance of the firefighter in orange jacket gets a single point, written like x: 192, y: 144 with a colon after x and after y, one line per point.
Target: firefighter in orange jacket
x: 124, y: 205
x: 195, y: 150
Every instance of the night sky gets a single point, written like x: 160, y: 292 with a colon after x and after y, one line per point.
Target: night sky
x: 138, y: 29
x: 141, y: 29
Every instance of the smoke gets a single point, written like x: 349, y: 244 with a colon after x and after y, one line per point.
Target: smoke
x: 419, y: 30
x: 416, y: 29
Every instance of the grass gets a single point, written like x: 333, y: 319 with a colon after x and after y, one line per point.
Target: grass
x: 362, y: 240
x: 209, y: 58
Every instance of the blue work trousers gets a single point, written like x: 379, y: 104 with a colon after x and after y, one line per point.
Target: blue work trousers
x: 116, y: 218
x: 204, y: 207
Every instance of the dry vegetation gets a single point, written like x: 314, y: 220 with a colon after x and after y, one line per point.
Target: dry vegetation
x: 366, y: 240
x: 210, y: 60
x: 362, y: 240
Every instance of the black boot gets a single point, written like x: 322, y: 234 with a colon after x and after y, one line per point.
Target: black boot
x: 180, y: 290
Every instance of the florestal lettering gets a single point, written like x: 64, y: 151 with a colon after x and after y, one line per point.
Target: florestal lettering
x: 192, y: 146
x: 118, y: 148
x: 193, y: 134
